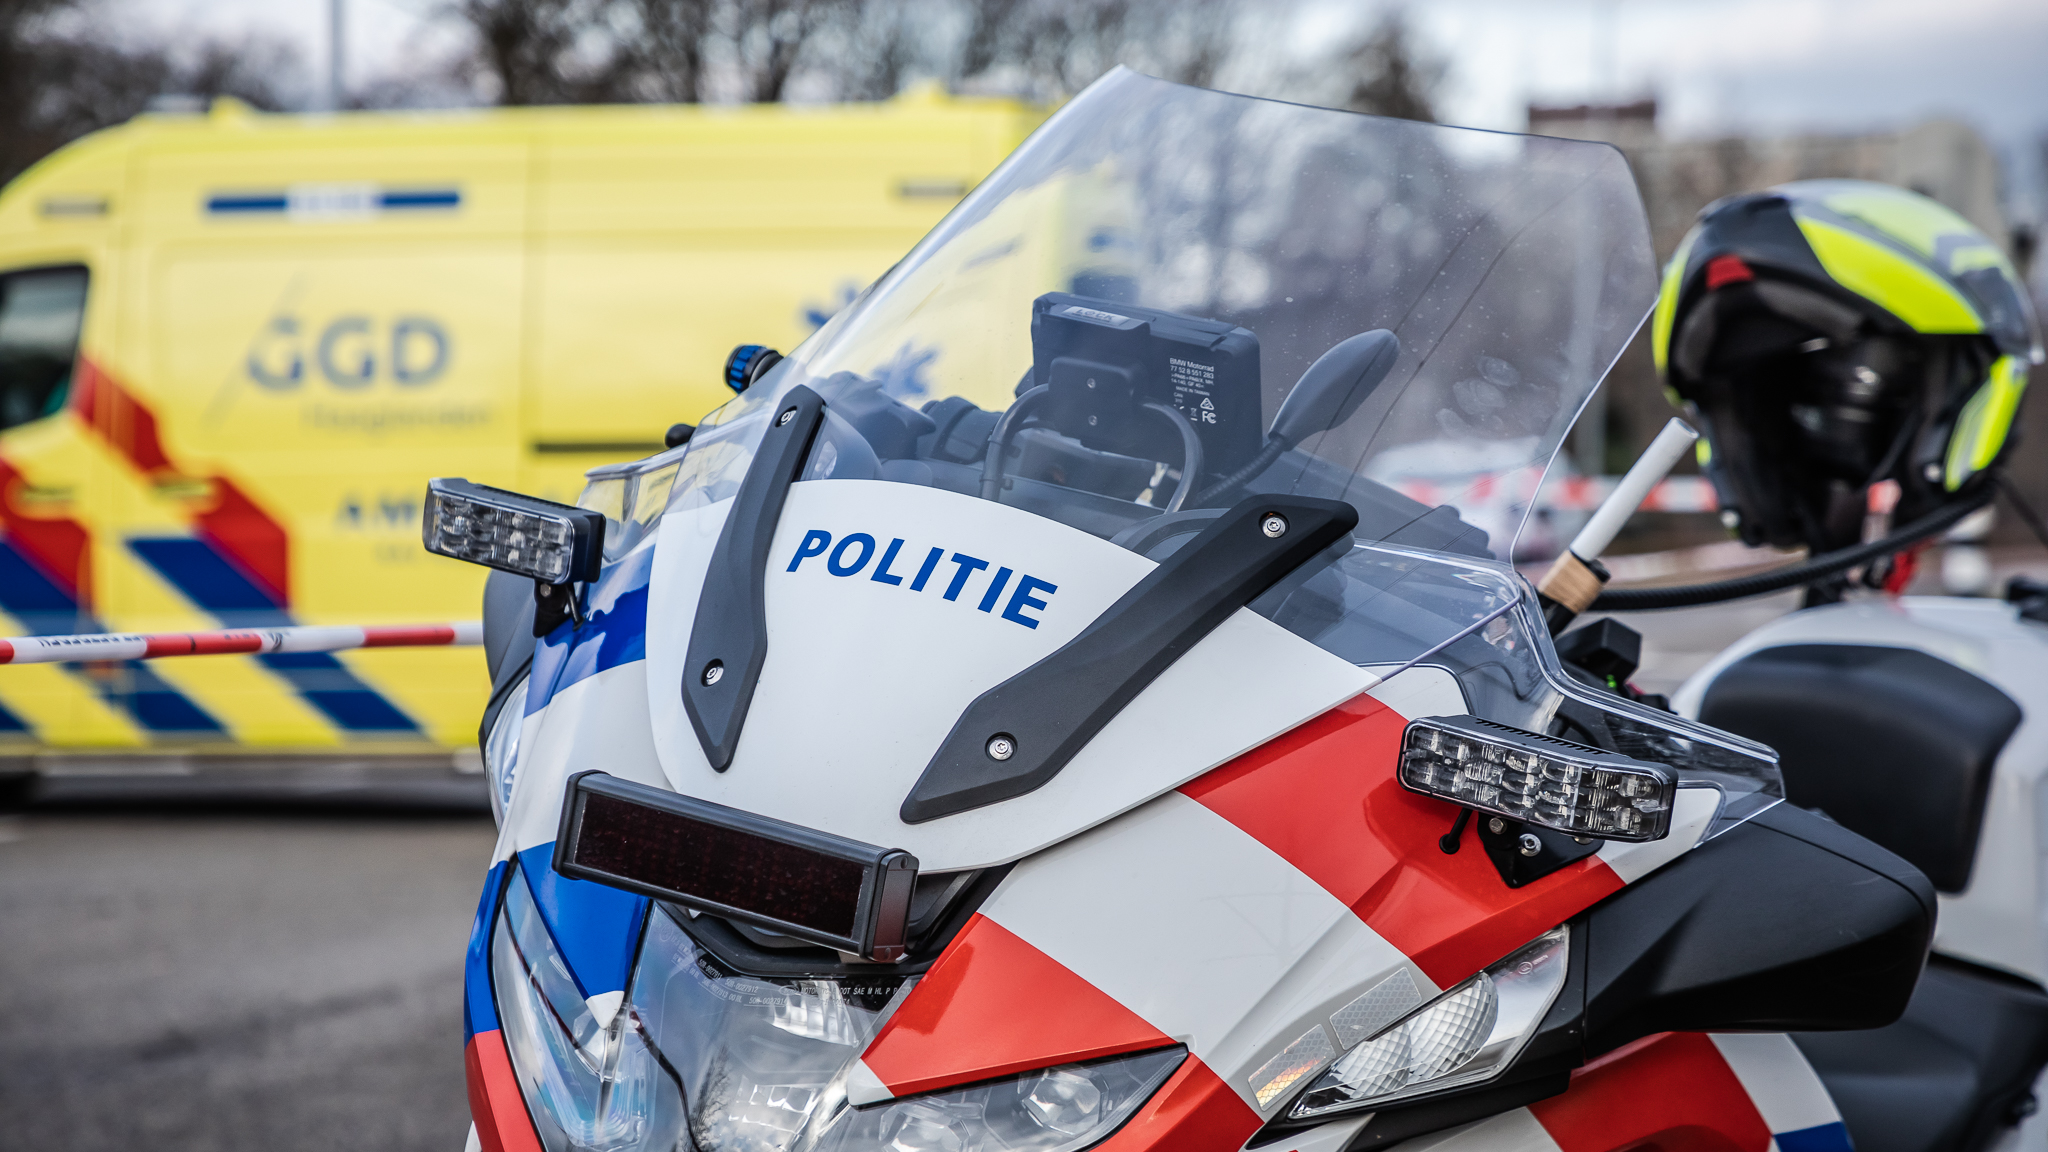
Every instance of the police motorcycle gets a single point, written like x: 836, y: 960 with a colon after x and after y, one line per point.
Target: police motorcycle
x: 1855, y: 354
x: 921, y: 757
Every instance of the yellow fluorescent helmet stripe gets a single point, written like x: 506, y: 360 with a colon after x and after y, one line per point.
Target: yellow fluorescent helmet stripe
x: 1667, y: 302
x: 1913, y: 220
x: 1925, y: 301
x: 1985, y: 421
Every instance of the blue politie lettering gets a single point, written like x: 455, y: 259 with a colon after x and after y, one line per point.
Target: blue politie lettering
x: 1022, y: 598
x: 852, y: 553
x: 837, y: 563
x: 968, y: 566
x: 814, y: 544
x: 995, y: 589
x: 882, y: 574
x: 924, y: 572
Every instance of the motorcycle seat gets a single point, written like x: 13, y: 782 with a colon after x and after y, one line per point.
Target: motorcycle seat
x: 1956, y: 1070
x: 1892, y: 743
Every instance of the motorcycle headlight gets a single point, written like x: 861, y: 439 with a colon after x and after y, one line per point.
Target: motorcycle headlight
x: 745, y: 1064
x: 1469, y: 1034
x: 589, y: 1083
x: 1051, y: 1110
x: 501, y: 750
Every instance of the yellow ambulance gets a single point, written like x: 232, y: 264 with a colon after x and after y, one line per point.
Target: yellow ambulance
x: 234, y: 346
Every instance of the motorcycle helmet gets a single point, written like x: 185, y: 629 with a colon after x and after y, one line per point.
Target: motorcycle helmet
x: 1830, y: 334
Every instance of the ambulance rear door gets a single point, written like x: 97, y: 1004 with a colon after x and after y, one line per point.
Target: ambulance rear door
x: 331, y: 315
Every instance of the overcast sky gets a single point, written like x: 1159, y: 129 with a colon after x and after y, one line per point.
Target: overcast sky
x: 1715, y: 65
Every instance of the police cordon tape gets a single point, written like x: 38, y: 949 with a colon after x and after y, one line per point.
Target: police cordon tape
x: 1575, y: 493
x: 1562, y: 494
x: 253, y: 641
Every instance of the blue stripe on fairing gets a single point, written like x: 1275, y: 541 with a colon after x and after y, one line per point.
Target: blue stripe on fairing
x: 596, y: 928
x: 218, y: 585
x: 29, y: 595
x: 1819, y: 1138
x: 615, y: 634
x: 479, y: 1011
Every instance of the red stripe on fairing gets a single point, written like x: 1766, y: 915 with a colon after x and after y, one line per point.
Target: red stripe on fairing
x: 408, y: 635
x: 234, y: 522
x: 61, y: 547
x: 1194, y: 1111
x: 1324, y: 797
x: 1673, y: 1092
x: 993, y: 1005
x: 502, y: 1124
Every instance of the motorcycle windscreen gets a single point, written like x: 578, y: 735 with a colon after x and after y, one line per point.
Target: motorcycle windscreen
x: 1168, y: 304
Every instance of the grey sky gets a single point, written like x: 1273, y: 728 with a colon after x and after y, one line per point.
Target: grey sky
x: 1716, y: 65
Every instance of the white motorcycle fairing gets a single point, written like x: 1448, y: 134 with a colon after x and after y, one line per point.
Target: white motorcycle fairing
x: 1999, y: 919
x: 865, y: 677
x: 1234, y: 886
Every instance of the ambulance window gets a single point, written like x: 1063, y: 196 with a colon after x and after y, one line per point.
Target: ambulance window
x: 40, y: 313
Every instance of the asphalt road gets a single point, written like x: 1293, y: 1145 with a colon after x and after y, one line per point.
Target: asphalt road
x: 234, y: 980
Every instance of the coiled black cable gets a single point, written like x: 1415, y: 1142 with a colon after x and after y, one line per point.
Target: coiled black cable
x: 1778, y: 579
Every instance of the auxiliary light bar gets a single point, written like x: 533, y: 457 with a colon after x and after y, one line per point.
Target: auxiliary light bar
x: 783, y: 877
x: 1537, y: 779
x: 524, y: 535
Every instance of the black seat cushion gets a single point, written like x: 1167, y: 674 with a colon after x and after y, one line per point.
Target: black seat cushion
x: 1891, y: 742
x: 1956, y: 1070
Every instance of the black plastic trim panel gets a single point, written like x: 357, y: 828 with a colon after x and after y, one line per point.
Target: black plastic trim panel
x: 1050, y: 711
x: 731, y: 629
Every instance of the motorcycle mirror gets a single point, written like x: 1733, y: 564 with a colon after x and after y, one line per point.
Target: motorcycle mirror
x: 1335, y: 385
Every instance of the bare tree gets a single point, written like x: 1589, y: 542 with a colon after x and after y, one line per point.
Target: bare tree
x: 548, y: 51
x: 59, y: 82
x: 1389, y: 75
x: 669, y: 51
x: 541, y: 51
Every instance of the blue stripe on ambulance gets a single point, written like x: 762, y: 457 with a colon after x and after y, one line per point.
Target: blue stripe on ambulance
x: 393, y: 200
x: 45, y: 609
x: 214, y: 583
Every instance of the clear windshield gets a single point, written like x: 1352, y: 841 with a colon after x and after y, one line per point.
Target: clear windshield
x: 1199, y: 251
x: 1171, y: 298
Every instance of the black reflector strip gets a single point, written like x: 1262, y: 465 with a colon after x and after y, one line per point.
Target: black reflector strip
x: 797, y: 881
x: 719, y: 865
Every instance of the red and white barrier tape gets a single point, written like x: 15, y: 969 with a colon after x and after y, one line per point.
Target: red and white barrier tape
x: 148, y: 646
x: 1565, y: 494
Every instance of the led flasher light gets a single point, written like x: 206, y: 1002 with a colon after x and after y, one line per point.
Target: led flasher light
x: 1537, y: 779
x: 549, y: 542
